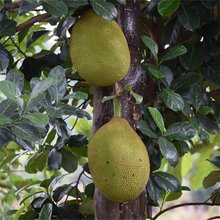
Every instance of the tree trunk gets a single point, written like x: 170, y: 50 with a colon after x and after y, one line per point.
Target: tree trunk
x: 127, y: 19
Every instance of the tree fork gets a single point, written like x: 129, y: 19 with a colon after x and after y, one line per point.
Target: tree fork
x: 127, y: 18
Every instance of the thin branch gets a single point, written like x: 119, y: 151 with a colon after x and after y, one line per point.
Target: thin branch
x: 31, y: 21
x: 14, y: 5
x: 214, y: 217
x: 19, y: 49
x: 182, y: 205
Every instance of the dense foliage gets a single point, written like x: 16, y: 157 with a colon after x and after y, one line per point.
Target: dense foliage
x: 45, y: 108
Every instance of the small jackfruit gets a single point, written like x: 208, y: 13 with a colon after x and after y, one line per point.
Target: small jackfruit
x: 99, y: 50
x: 118, y: 161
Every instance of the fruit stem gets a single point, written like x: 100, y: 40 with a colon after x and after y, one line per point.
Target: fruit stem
x: 117, y: 106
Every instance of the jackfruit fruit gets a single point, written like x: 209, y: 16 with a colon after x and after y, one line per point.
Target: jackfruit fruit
x: 118, y: 161
x: 99, y: 50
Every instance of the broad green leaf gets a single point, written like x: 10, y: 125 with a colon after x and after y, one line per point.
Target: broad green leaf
x: 76, y: 3
x: 192, y: 59
x: 153, y: 190
x: 55, y: 7
x: 172, y: 100
x: 205, y: 110
x: 9, y: 91
x: 186, y: 80
x: 167, y: 182
x: 198, y: 96
x: 37, y: 162
x: 189, y: 19
x: 105, y: 9
x: 169, y: 151
x: 69, y: 161
x: 42, y: 86
x: 61, y: 191
x: 151, y: 45
x: 58, y: 91
x: 145, y: 129
x: 158, y: 118
x: 27, y: 131
x: 173, y: 53
x: 77, y: 140
x: 167, y: 7
x: 186, y: 164
x: 86, y: 208
x: 211, y: 71
x: 212, y: 179
x: 138, y: 98
x: 157, y: 73
x: 27, y: 6
x: 37, y: 118
x: 46, y: 212
x: 54, y: 159
x: 89, y: 190
x: 7, y: 27
x: 76, y: 95
x: 55, y: 181
x: 4, y: 58
x: 4, y: 119
x: 180, y: 131
x: 16, y: 77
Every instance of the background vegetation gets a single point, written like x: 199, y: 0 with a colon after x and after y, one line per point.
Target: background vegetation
x: 46, y: 109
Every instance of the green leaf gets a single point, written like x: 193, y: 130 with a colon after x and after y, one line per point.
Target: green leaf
x: 61, y: 191
x: 205, y: 110
x: 54, y: 159
x: 211, y: 71
x: 4, y: 58
x: 46, y: 212
x: 153, y: 189
x: 180, y: 131
x: 138, y: 98
x: 16, y: 77
x: 158, y: 74
x: 158, y: 118
x: 189, y: 19
x: 27, y: 6
x: 151, y: 45
x: 89, y: 190
x: 145, y: 129
x: 42, y: 86
x: 7, y: 27
x: 9, y: 91
x: 123, y: 2
x: 69, y: 161
x: 28, y: 131
x: 167, y: 8
x: 76, y: 3
x: 212, y: 179
x: 107, y: 98
x: 4, y: 120
x: 192, y: 59
x: 55, y: 7
x: 37, y: 118
x: 198, y: 96
x: 216, y: 161
x: 173, y: 53
x: 172, y: 100
x: 105, y: 9
x: 58, y: 91
x: 76, y: 95
x: 77, y: 140
x: 186, y: 80
x: 167, y: 181
x: 169, y: 151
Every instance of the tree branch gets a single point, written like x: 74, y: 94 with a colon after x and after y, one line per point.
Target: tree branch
x: 14, y: 5
x: 214, y: 217
x: 31, y: 21
x: 182, y: 205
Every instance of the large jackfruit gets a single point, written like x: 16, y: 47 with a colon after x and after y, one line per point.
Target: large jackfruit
x: 99, y: 50
x: 118, y: 161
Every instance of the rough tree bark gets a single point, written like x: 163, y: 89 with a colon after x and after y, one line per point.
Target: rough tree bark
x: 127, y: 18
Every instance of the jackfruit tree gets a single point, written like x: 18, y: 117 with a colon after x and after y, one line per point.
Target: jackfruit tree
x: 109, y: 109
